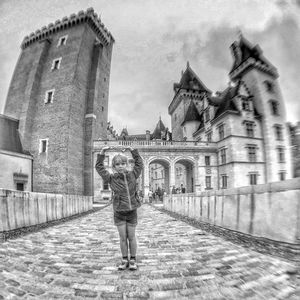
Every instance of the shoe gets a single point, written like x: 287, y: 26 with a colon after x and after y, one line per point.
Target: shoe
x: 123, y: 265
x: 132, y: 265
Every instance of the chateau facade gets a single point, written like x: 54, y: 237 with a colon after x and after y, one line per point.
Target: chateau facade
x: 247, y: 121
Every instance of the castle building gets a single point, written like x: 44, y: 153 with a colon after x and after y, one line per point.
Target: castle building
x: 59, y: 96
x: 247, y: 121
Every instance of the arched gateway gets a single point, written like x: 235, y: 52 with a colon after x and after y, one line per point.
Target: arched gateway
x: 167, y: 164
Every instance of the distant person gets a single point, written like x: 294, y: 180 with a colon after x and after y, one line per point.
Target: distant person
x: 182, y: 189
x: 173, y: 190
x: 150, y: 196
x: 125, y: 202
x: 141, y: 195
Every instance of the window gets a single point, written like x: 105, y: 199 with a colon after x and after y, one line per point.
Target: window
x: 175, y: 117
x: 223, y: 156
x: 207, y: 117
x: 253, y: 178
x: 252, y: 153
x: 224, y: 181
x: 207, y: 160
x: 208, y: 136
x: 249, y: 129
x: 43, y: 148
x: 246, y: 104
x: 56, y: 64
x: 162, y: 173
x: 20, y: 186
x: 49, y: 96
x: 281, y: 156
x: 221, y: 132
x: 62, y: 40
x: 274, y: 107
x: 208, y: 182
x: 282, y: 175
x: 102, y: 108
x: 269, y: 86
x: 278, y: 132
x: 155, y: 174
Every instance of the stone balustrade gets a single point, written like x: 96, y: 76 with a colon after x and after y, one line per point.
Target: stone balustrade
x: 155, y: 144
x: 23, y: 209
x: 269, y: 211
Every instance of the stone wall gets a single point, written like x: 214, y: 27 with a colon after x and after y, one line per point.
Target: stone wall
x: 23, y: 209
x: 269, y: 211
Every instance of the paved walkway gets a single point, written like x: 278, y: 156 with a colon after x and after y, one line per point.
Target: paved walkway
x: 77, y: 260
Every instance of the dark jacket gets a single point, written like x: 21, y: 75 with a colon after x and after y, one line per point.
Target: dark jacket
x: 125, y: 196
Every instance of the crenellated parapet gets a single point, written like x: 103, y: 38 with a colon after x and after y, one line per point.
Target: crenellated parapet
x: 90, y: 17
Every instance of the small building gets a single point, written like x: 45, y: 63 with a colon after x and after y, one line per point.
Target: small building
x: 16, y: 163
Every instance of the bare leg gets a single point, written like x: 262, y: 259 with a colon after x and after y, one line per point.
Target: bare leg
x: 132, y: 239
x: 123, y: 239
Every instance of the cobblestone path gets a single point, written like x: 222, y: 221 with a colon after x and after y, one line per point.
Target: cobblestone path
x: 77, y: 260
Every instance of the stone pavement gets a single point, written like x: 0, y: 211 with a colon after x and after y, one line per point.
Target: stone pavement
x: 77, y: 260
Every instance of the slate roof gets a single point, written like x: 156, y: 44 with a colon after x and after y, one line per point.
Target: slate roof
x: 9, y: 135
x: 226, y: 100
x: 158, y: 129
x: 192, y: 113
x: 247, y: 50
x: 190, y: 81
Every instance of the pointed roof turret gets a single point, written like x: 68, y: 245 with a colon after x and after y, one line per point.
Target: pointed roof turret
x: 190, y: 81
x: 160, y: 127
x: 244, y: 52
x: 192, y: 113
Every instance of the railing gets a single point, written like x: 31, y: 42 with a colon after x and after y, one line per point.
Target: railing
x: 154, y: 143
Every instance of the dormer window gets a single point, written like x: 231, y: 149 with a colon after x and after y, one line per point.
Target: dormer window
x: 245, y: 104
x: 221, y: 132
x: 274, y: 107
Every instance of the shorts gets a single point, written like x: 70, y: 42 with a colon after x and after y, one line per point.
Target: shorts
x: 125, y: 217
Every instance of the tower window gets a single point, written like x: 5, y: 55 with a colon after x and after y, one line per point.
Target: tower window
x: 253, y: 178
x: 102, y: 108
x: 274, y: 107
x: 224, y: 179
x: 269, y: 86
x: 56, y: 64
x: 43, y: 148
x: 208, y: 182
x: 278, y: 132
x: 209, y: 136
x: 281, y: 154
x: 252, y: 153
x: 223, y: 156
x: 49, y: 96
x: 62, y: 40
x: 207, y: 160
x: 249, y: 129
x: 221, y: 132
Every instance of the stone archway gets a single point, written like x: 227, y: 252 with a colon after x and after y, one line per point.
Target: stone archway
x: 160, y: 173
x: 187, y: 175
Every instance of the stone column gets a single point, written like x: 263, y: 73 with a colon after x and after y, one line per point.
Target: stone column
x: 197, y: 177
x: 172, y: 173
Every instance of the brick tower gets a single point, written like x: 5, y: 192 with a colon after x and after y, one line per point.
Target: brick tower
x: 59, y: 94
x: 260, y: 77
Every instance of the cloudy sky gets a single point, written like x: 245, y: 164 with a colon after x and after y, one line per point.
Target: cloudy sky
x: 155, y: 39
